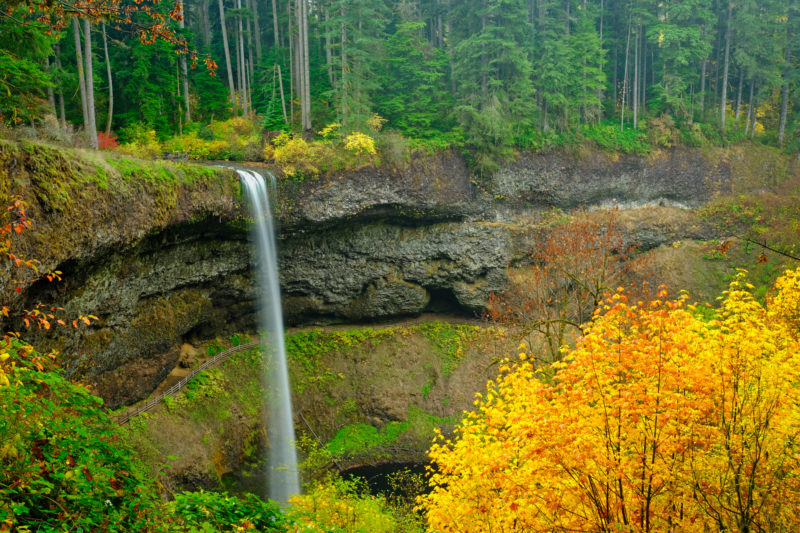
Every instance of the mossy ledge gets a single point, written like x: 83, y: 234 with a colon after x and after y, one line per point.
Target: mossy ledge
x: 82, y: 202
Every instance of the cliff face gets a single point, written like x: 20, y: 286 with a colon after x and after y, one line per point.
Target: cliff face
x: 160, y: 253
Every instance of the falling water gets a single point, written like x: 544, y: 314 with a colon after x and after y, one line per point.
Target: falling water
x: 283, y: 477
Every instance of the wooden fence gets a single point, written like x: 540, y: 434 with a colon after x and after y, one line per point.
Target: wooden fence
x: 155, y: 400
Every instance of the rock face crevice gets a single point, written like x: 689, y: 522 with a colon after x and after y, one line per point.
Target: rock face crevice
x: 160, y: 252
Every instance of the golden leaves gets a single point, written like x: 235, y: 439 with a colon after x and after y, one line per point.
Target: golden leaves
x: 657, y: 420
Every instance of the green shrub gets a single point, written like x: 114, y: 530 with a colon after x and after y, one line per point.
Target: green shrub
x: 218, y: 511
x: 63, y: 464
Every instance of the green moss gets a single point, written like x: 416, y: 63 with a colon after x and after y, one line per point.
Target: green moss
x: 449, y: 340
x: 363, y: 439
x: 305, y: 350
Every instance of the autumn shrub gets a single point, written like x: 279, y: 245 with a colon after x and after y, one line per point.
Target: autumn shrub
x: 573, y: 263
x: 237, y: 139
x: 294, y: 156
x: 344, y: 506
x: 657, y: 421
x: 139, y: 141
x: 107, y: 142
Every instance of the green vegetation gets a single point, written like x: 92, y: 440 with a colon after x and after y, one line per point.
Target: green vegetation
x: 63, y: 464
x: 364, y: 440
x: 217, y: 511
x: 486, y: 77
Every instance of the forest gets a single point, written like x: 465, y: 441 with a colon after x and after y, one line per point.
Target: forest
x: 487, y: 76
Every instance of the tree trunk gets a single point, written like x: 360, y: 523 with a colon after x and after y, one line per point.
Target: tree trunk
x: 785, y: 90
x: 723, y: 101
x: 51, y: 95
x: 306, y: 68
x: 62, y: 114
x: 292, y: 63
x: 257, y: 29
x: 227, y: 50
x: 739, y: 95
x: 344, y: 69
x: 111, y: 83
x: 328, y: 51
x: 205, y: 23
x: 643, y: 88
x: 750, y: 109
x: 703, y: 67
x: 81, y: 75
x: 91, y: 130
x: 484, y: 59
x: 283, y: 98
x: 242, y: 62
x: 625, y: 78
x: 636, y: 79
x: 275, y: 33
x: 250, y: 57
x: 184, y: 69
x: 300, y: 73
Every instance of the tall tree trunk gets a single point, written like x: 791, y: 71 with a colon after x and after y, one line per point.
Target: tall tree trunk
x: 299, y: 62
x: 275, y: 33
x: 241, y: 62
x: 643, y: 89
x: 344, y: 81
x: 81, y: 75
x: 91, y: 131
x: 625, y: 78
x: 292, y: 62
x: 283, y: 98
x: 305, y: 67
x: 111, y: 83
x: 250, y: 57
x: 328, y: 51
x: 636, y: 78
x: 205, y: 22
x: 750, y: 109
x: 739, y: 95
x: 785, y: 90
x: 256, y: 36
x: 484, y: 59
x: 62, y: 117
x: 184, y: 70
x: 703, y: 67
x: 227, y: 50
x: 51, y: 95
x: 723, y: 101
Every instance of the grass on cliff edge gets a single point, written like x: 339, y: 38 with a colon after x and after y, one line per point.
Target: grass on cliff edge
x: 62, y: 177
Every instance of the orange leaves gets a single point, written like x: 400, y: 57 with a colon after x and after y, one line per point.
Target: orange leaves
x: 656, y: 421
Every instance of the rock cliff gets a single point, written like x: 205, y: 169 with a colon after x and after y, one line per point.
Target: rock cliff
x: 160, y: 253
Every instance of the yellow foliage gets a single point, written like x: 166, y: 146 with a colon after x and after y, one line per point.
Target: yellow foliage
x: 295, y: 155
x: 656, y: 421
x: 360, y: 144
x: 330, y: 131
x: 334, y: 505
x: 376, y: 122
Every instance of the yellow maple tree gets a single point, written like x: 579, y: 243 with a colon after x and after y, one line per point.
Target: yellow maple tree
x: 656, y: 421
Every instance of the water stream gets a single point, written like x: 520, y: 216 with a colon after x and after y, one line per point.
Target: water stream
x: 282, y: 461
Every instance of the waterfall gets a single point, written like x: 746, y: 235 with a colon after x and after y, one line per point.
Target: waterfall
x: 282, y: 461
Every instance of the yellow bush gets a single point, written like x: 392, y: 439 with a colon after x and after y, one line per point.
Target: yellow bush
x: 336, y: 505
x: 295, y: 156
x: 361, y: 145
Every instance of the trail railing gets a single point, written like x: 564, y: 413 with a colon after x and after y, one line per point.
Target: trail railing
x: 124, y: 418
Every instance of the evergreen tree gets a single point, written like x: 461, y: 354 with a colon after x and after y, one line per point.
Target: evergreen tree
x: 491, y: 71
x: 414, y: 97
